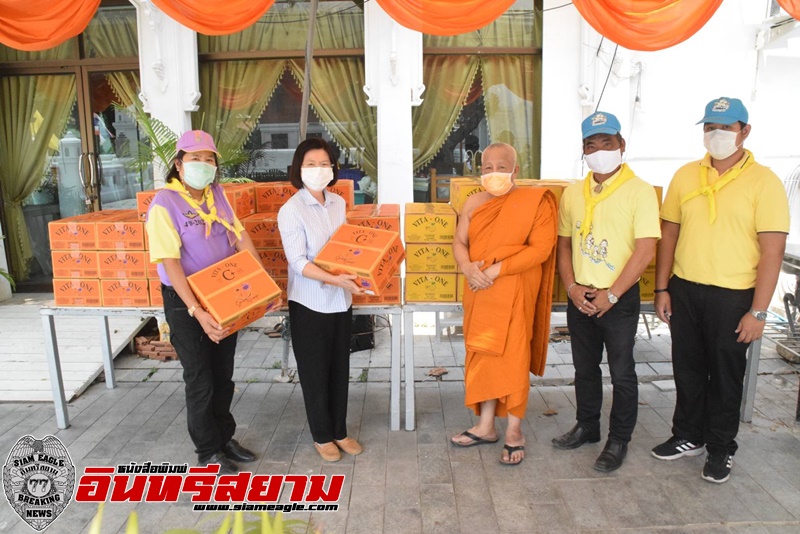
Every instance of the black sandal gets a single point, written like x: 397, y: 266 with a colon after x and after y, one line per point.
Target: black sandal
x: 511, y: 450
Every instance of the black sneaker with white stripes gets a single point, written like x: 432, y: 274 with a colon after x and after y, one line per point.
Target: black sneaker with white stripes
x: 718, y: 467
x: 675, y: 448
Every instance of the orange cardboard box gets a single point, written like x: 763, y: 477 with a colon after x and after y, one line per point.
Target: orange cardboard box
x: 378, y: 216
x: 143, y: 200
x: 154, y: 287
x: 431, y: 287
x: 460, y: 281
x: 152, y: 271
x: 76, y: 292
x: 461, y: 188
x: 271, y: 196
x: 122, y: 264
x: 390, y: 295
x: 274, y: 261
x: 283, y: 283
x: 126, y: 292
x: 430, y: 257
x: 242, y: 198
x: 236, y: 291
x: 555, y: 186
x: 430, y: 223
x: 263, y: 229
x: 345, y: 189
x: 372, y: 255
x: 647, y: 285
x: 76, y: 233
x: 74, y: 264
x: 123, y: 232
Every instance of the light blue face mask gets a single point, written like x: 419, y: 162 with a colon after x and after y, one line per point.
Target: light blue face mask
x: 198, y: 175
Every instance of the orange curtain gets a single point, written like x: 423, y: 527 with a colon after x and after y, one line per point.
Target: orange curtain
x: 792, y: 7
x: 445, y: 17
x: 215, y: 17
x: 41, y: 24
x: 647, y: 24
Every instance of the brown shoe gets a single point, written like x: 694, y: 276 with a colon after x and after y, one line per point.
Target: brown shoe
x: 350, y: 446
x: 328, y: 451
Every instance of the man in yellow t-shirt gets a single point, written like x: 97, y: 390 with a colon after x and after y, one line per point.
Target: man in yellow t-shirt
x: 607, y: 232
x: 724, y: 223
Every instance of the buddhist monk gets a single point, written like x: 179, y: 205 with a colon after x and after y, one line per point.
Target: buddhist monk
x: 505, y: 246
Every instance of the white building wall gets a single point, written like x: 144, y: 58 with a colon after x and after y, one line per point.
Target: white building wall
x: 676, y: 83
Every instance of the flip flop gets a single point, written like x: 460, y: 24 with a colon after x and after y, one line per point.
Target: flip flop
x: 511, y: 450
x: 475, y: 440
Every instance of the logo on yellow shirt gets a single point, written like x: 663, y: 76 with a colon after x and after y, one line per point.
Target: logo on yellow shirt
x: 596, y: 252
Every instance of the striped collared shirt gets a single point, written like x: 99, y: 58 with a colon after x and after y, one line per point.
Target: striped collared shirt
x: 305, y: 226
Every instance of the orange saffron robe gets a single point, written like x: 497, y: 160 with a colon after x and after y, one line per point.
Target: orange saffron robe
x: 507, y: 327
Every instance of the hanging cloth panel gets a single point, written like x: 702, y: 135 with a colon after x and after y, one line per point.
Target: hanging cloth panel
x: 215, y: 17
x: 792, y: 7
x: 41, y: 24
x: 445, y: 17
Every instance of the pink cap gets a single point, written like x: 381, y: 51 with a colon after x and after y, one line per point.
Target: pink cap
x: 195, y: 141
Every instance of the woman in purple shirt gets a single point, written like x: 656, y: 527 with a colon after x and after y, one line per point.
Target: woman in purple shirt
x: 190, y: 226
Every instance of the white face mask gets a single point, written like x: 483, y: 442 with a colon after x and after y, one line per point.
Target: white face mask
x: 316, y: 178
x: 497, y: 183
x: 198, y: 175
x: 603, y: 161
x: 720, y: 144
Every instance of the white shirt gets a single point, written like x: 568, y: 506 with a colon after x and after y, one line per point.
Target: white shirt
x: 305, y: 226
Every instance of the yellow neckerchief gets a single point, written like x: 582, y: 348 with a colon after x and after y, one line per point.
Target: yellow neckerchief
x: 625, y: 173
x: 209, y: 218
x: 710, y: 190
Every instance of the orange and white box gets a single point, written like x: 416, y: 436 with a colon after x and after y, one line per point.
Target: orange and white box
x: 122, y: 264
x: 263, y: 230
x: 431, y: 287
x: 274, y: 261
x: 430, y: 258
x: 123, y: 232
x: 374, y: 256
x: 77, y: 292
x: 75, y: 264
x: 271, y: 196
x: 461, y: 188
x: 236, y: 291
x: 390, y: 295
x: 241, y: 197
x: 143, y: 200
x: 345, y: 189
x: 152, y: 270
x: 154, y: 287
x: 430, y: 223
x: 125, y: 292
x: 283, y: 283
x: 378, y: 216
x: 76, y: 233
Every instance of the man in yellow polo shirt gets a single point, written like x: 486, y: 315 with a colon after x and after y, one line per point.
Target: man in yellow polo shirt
x: 607, y: 232
x: 724, y: 222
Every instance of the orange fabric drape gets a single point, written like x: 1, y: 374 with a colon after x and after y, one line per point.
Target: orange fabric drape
x: 34, y: 25
x: 792, y: 7
x: 445, y: 17
x: 215, y: 17
x: 647, y: 24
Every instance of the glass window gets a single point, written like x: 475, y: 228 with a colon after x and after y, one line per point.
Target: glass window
x: 66, y: 50
x: 112, y: 33
x: 519, y: 27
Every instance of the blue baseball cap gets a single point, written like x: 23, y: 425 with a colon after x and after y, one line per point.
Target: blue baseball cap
x: 600, y: 122
x: 724, y: 110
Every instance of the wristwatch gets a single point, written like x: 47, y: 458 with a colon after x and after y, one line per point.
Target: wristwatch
x: 192, y: 310
x: 612, y: 298
x: 759, y: 315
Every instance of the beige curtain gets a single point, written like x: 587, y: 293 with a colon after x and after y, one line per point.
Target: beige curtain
x: 112, y: 33
x: 235, y: 94
x: 510, y: 94
x: 63, y: 51
x: 339, y: 101
x: 125, y: 86
x: 513, y: 29
x: 33, y: 112
x: 447, y: 81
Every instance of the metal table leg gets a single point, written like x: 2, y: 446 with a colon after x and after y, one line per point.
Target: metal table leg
x: 286, y: 336
x: 108, y: 357
x: 750, y: 379
x: 54, y: 365
x: 394, y: 393
x: 409, y: 364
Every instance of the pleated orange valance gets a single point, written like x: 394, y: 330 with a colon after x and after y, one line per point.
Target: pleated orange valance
x: 41, y: 24
x: 792, y: 7
x: 648, y: 24
x: 445, y: 17
x: 215, y: 17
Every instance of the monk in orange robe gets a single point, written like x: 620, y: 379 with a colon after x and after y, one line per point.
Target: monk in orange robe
x: 505, y: 246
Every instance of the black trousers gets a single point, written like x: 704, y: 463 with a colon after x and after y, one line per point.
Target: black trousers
x: 321, y: 344
x: 616, y: 329
x: 708, y: 362
x: 207, y: 373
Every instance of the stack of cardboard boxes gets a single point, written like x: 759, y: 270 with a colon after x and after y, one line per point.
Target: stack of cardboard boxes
x: 430, y: 264
x: 379, y: 217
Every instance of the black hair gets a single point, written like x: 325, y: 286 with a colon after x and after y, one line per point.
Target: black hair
x: 314, y: 143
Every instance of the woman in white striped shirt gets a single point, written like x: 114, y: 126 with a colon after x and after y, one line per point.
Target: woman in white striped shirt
x: 320, y: 303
